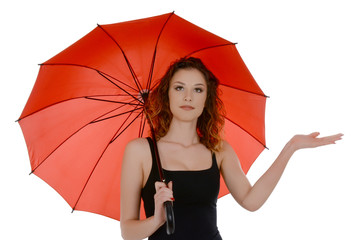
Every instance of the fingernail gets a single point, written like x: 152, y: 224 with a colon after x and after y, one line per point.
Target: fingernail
x: 172, y: 199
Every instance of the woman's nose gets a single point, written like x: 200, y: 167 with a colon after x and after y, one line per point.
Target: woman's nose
x: 188, y: 97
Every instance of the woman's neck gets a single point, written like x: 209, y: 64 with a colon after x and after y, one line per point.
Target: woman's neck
x: 183, y: 133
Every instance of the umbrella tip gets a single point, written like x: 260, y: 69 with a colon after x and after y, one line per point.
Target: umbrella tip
x: 31, y: 172
x: 73, y: 210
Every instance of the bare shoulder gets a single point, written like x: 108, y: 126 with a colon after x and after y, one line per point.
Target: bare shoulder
x: 137, y: 150
x: 226, y: 146
x: 137, y: 144
x: 226, y: 154
x: 137, y: 161
x: 226, y: 150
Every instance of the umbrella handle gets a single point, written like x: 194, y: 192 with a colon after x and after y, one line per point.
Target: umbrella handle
x: 169, y: 211
x: 170, y: 220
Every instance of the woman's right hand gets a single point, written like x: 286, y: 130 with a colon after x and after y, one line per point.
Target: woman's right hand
x: 163, y: 193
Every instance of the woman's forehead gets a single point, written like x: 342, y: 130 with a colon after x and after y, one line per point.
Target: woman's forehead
x: 190, y: 76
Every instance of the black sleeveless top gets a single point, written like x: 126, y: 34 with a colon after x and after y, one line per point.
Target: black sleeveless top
x: 195, y: 194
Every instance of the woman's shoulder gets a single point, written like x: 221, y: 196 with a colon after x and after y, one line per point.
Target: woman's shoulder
x: 137, y: 148
x: 137, y: 142
x: 225, y: 147
x: 225, y: 150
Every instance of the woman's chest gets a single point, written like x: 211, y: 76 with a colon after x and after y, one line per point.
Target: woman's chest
x: 184, y: 159
x: 191, y: 187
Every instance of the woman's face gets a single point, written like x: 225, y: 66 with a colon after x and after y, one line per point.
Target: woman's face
x: 187, y: 94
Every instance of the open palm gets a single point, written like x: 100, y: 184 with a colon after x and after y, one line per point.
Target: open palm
x: 312, y: 140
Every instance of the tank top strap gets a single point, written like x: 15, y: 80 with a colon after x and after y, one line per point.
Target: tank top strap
x: 214, y: 165
x: 152, y: 151
x: 154, y: 172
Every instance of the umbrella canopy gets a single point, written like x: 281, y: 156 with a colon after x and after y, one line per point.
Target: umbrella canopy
x: 87, y: 104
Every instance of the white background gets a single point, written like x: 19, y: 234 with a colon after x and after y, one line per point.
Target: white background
x: 304, y: 54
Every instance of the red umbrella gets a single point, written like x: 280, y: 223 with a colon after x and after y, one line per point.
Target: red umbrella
x: 86, y: 104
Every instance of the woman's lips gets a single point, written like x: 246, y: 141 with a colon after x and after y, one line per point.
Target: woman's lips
x: 187, y: 107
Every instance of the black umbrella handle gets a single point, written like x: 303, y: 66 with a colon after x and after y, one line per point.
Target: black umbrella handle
x: 170, y: 220
x: 169, y: 211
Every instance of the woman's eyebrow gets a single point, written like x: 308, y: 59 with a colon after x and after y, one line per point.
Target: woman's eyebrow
x: 196, y: 84
x: 178, y: 82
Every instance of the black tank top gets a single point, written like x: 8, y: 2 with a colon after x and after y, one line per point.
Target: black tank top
x: 195, y: 194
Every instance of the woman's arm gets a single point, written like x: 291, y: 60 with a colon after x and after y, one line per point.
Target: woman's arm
x: 131, y: 184
x: 253, y: 197
x: 132, y: 176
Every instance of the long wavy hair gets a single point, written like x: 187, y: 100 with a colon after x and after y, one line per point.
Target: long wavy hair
x: 210, y: 123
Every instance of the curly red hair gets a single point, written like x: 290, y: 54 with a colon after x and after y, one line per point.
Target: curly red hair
x: 210, y: 123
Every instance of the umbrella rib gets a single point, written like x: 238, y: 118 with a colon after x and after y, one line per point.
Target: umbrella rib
x: 210, y: 47
x: 124, y: 103
x: 114, y: 138
x: 117, y: 85
x: 110, y: 95
x: 102, y: 154
x: 111, y: 101
x: 57, y: 147
x: 79, y: 65
x: 125, y: 127
x: 243, y: 90
x: 53, y: 104
x: 117, y: 115
x: 247, y: 132
x: 155, y: 50
x: 136, y: 80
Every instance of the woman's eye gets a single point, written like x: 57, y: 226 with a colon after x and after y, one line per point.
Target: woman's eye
x: 179, y: 88
x: 199, y: 90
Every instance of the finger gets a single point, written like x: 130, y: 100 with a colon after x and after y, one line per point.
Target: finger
x: 159, y: 185
x: 314, y: 134
x: 165, y: 191
x: 338, y: 136
x: 164, y: 195
x: 170, y: 185
x: 326, y: 140
x: 333, y: 138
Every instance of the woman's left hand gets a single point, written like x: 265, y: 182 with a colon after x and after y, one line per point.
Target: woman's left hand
x: 312, y: 140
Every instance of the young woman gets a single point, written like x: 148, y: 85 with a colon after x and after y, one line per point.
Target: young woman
x: 186, y: 113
